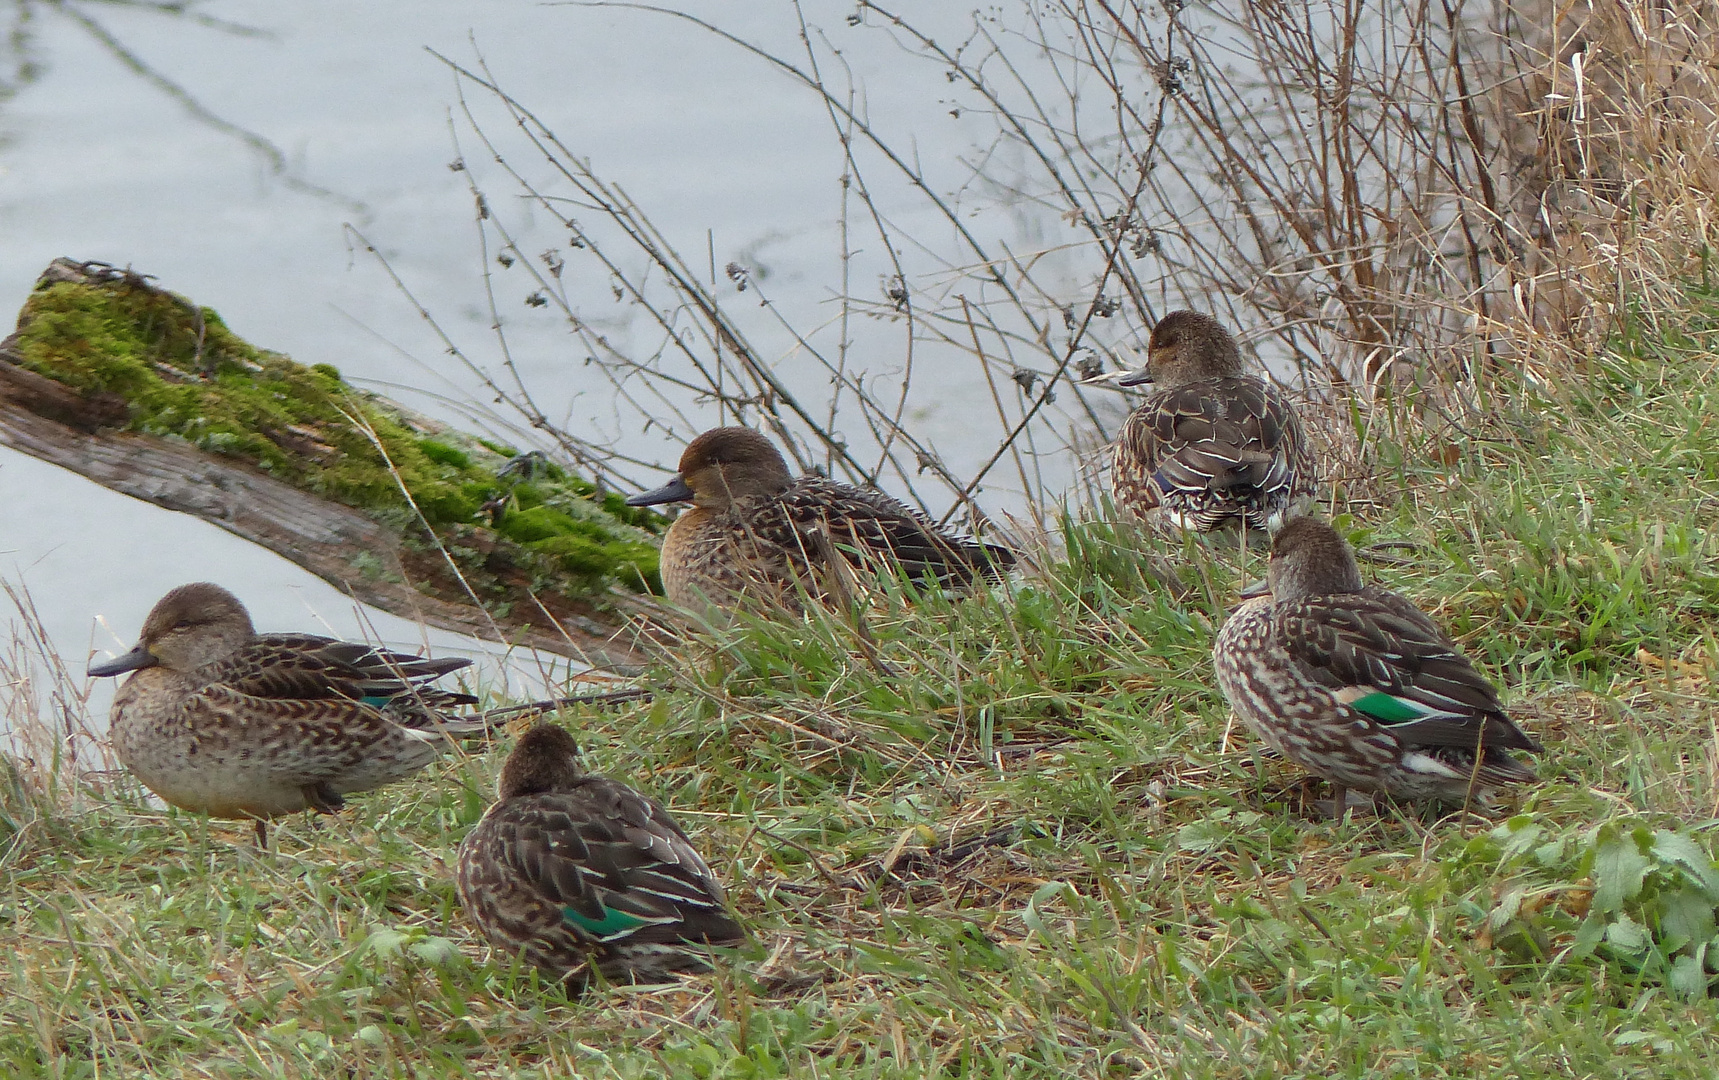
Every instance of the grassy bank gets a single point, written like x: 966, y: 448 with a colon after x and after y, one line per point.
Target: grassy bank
x: 1036, y: 849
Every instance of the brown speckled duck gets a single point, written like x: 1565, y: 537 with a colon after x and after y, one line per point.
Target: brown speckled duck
x: 755, y: 530
x: 578, y: 873
x: 1212, y: 447
x: 1356, y: 684
x: 225, y: 721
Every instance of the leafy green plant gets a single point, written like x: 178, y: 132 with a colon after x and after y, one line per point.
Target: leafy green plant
x: 1635, y: 895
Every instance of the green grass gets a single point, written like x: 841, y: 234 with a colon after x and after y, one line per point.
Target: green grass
x: 1027, y: 848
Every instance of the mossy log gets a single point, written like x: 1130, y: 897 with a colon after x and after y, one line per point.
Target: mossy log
x: 145, y: 393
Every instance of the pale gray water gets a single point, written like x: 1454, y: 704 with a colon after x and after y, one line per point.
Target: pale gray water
x: 97, y: 163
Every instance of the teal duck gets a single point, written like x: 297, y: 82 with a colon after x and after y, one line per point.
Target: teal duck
x: 579, y: 874
x: 1356, y: 684
x: 1211, y: 447
x: 755, y: 530
x: 224, y: 721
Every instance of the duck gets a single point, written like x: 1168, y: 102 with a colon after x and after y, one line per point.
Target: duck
x: 583, y: 877
x: 220, y: 720
x: 1356, y: 684
x: 755, y: 531
x: 1212, y: 448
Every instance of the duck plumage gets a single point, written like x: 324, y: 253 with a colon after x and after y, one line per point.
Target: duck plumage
x: 224, y: 721
x: 580, y: 874
x: 1357, y: 685
x: 755, y: 530
x: 1212, y: 447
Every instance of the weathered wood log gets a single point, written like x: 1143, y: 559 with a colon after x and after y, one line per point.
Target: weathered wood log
x: 469, y: 572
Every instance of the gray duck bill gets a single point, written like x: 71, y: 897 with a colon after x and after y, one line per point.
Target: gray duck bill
x: 673, y: 491
x: 119, y: 665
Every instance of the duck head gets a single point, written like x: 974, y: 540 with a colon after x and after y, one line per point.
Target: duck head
x: 1186, y: 347
x: 1308, y: 558
x: 544, y: 759
x: 720, y: 466
x: 191, y: 626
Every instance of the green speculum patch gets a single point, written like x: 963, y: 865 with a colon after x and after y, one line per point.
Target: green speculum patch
x: 183, y: 374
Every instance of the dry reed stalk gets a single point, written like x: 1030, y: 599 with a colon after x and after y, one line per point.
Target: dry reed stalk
x: 47, y: 743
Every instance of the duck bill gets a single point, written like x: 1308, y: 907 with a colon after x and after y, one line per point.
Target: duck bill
x: 1135, y: 378
x: 139, y: 657
x: 673, y: 491
x: 1262, y: 587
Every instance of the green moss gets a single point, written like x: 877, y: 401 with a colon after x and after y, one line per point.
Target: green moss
x: 594, y: 555
x: 537, y: 523
x: 184, y: 375
x: 443, y: 454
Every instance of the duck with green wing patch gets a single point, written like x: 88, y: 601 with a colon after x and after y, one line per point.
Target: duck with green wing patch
x: 225, y: 721
x: 1356, y: 684
x: 579, y: 874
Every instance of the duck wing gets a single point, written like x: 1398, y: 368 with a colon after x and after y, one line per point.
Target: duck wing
x: 1233, y: 439
x: 1383, y: 657
x: 307, y: 667
x: 870, y: 527
x: 614, y: 862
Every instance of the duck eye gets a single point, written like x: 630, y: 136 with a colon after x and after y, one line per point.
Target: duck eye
x: 182, y: 624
